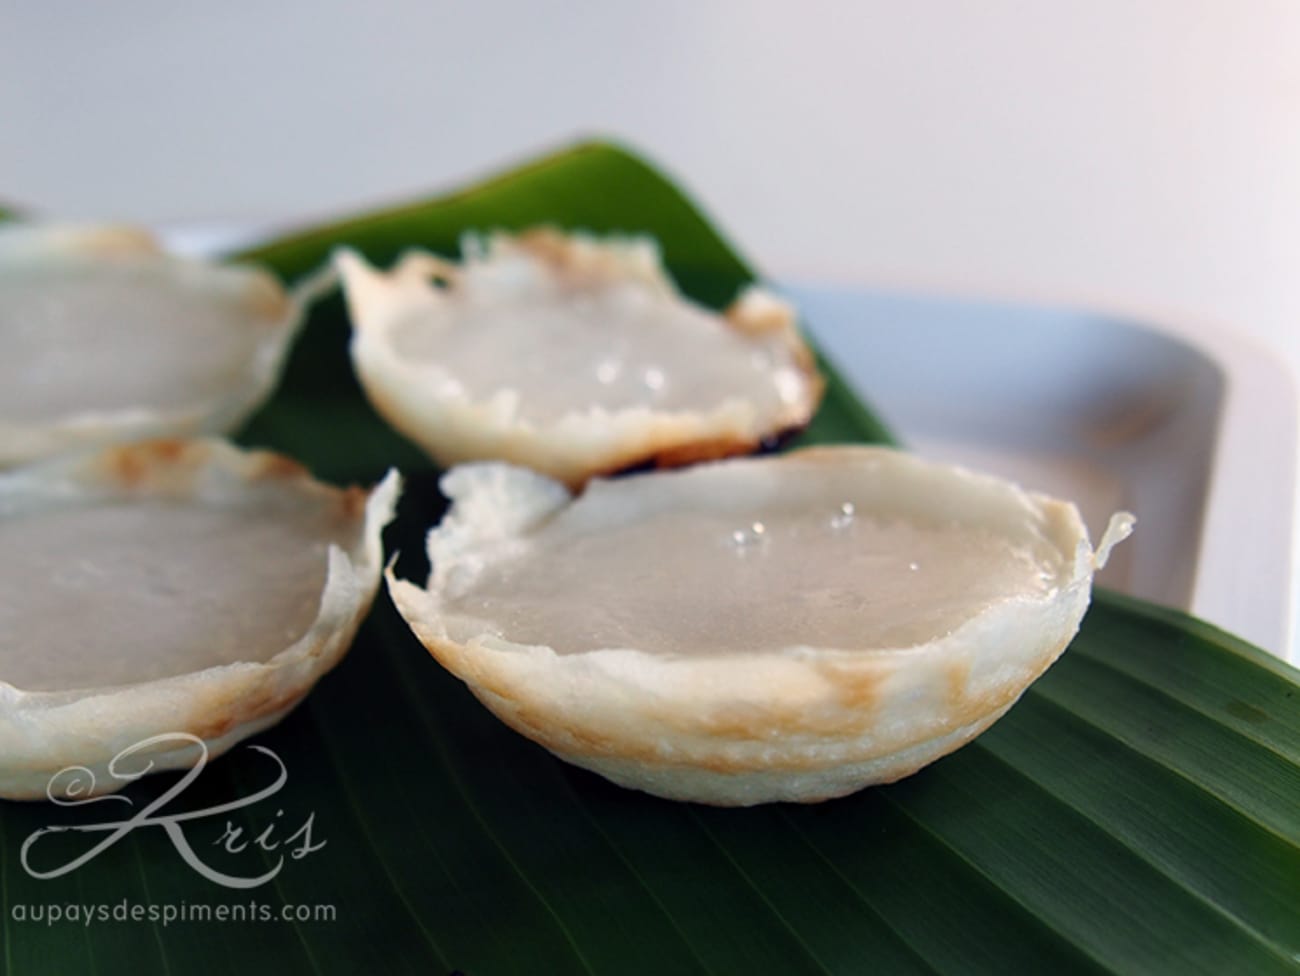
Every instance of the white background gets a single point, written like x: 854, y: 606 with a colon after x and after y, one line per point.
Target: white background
x: 1135, y: 154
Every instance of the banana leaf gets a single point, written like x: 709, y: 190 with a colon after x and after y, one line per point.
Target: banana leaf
x: 1137, y: 812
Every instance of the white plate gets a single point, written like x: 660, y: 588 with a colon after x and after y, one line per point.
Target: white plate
x: 1192, y: 432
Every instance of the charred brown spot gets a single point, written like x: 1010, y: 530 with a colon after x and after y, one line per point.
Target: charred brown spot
x: 167, y: 451
x: 568, y: 257
x: 352, y: 502
x: 957, y: 674
x: 214, y: 728
x: 857, y: 688
x: 228, y: 713
x: 127, y: 467
x: 267, y: 300
x: 131, y: 465
x: 748, y: 723
x: 744, y: 318
x: 710, y: 450
x: 549, y: 245
x: 279, y: 466
x: 118, y: 242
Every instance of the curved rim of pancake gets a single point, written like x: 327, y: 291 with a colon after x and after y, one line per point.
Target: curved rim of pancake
x: 583, y: 443
x: 803, y: 723
x: 44, y: 732
x: 271, y: 311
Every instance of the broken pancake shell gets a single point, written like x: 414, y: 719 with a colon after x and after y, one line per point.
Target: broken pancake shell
x: 729, y: 695
x: 108, y: 338
x: 571, y: 355
x: 224, y: 501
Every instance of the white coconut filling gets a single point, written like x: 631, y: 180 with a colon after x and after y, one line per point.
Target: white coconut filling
x: 575, y: 348
x: 121, y: 593
x: 712, y: 582
x: 81, y: 337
